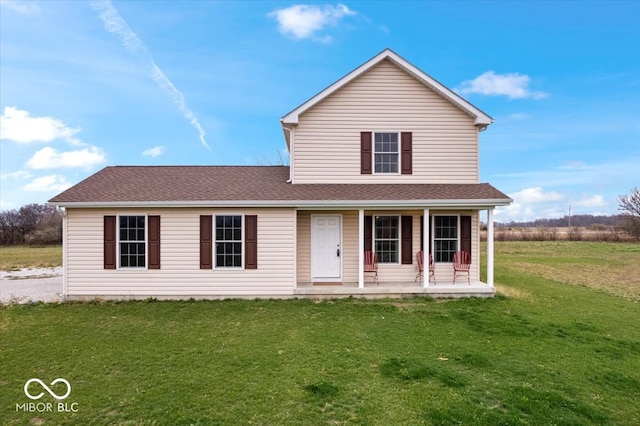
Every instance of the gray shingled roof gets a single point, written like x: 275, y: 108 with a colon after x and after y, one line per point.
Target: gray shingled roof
x: 228, y: 184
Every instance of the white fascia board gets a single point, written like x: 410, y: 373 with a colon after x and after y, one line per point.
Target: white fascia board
x: 309, y: 204
x: 481, y: 119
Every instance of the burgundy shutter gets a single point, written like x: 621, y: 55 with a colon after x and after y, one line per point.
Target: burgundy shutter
x: 465, y: 233
x: 206, y: 244
x: 251, y: 242
x: 109, y: 231
x: 406, y: 160
x: 407, y: 240
x: 154, y: 242
x: 365, y: 153
x: 368, y: 233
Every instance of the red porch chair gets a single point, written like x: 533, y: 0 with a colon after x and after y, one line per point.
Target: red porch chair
x: 432, y: 266
x: 461, y: 265
x: 371, y: 265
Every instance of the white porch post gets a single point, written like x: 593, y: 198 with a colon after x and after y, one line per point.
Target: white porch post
x: 361, y: 248
x: 490, y: 247
x: 425, y: 249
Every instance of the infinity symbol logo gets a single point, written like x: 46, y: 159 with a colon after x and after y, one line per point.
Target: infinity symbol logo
x: 52, y: 393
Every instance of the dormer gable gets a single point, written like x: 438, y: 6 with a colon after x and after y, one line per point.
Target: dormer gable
x: 481, y: 119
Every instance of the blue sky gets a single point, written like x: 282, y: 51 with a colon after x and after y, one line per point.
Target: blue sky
x: 84, y: 85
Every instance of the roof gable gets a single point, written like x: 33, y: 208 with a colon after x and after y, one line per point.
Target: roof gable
x: 481, y: 119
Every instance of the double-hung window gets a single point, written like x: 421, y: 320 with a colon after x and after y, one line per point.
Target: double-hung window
x: 445, y: 238
x: 228, y: 232
x: 132, y: 241
x: 387, y: 239
x: 386, y: 153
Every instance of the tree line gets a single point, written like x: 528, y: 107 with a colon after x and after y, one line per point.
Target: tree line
x: 628, y: 221
x: 33, y: 224
x: 566, y: 221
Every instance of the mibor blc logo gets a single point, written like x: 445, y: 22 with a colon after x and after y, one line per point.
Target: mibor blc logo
x: 41, y: 407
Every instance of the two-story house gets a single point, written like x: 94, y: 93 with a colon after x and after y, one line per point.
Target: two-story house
x: 383, y: 161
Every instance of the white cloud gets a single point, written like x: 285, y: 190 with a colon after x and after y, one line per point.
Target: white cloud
x: 530, y: 204
x: 536, y: 195
x: 155, y: 151
x: 518, y: 116
x: 21, y: 6
x: 593, y: 201
x: 305, y: 21
x: 49, y: 158
x: 19, y: 126
x: 513, y: 85
x: 115, y: 24
x: 20, y: 174
x: 574, y: 165
x: 48, y: 183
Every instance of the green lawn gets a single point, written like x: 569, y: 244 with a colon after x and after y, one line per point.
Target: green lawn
x: 16, y: 257
x: 546, y: 353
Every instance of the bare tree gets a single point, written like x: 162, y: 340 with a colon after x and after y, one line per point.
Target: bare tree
x: 630, y: 206
x: 35, y: 224
x: 282, y: 159
x: 10, y: 228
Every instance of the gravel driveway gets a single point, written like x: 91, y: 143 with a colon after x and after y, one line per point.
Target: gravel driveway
x: 31, y: 285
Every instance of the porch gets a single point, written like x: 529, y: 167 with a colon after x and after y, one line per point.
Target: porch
x: 331, y: 244
x: 393, y: 289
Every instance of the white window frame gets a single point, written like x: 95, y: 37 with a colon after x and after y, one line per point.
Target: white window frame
x: 215, y: 242
x: 146, y: 242
x: 374, y: 152
x: 433, y: 237
x: 399, y: 239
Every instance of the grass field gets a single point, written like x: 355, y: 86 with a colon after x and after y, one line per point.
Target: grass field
x: 610, y: 267
x: 16, y: 257
x: 541, y: 352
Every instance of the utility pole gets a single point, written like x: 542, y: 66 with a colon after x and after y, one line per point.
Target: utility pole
x: 569, y: 215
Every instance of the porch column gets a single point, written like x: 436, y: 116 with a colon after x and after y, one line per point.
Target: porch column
x: 361, y: 248
x: 490, y: 247
x: 425, y: 252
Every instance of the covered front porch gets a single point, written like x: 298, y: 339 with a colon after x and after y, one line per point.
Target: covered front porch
x: 331, y: 246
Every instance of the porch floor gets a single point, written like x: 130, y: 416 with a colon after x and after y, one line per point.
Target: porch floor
x: 394, y: 289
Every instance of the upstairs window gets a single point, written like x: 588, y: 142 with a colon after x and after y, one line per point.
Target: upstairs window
x: 386, y: 153
x: 132, y: 241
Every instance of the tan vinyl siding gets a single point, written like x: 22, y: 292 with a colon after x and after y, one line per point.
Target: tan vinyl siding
x: 303, y: 247
x: 327, y: 139
x: 350, y: 246
x: 180, y: 275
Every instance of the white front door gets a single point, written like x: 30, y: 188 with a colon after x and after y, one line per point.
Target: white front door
x: 326, y: 247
